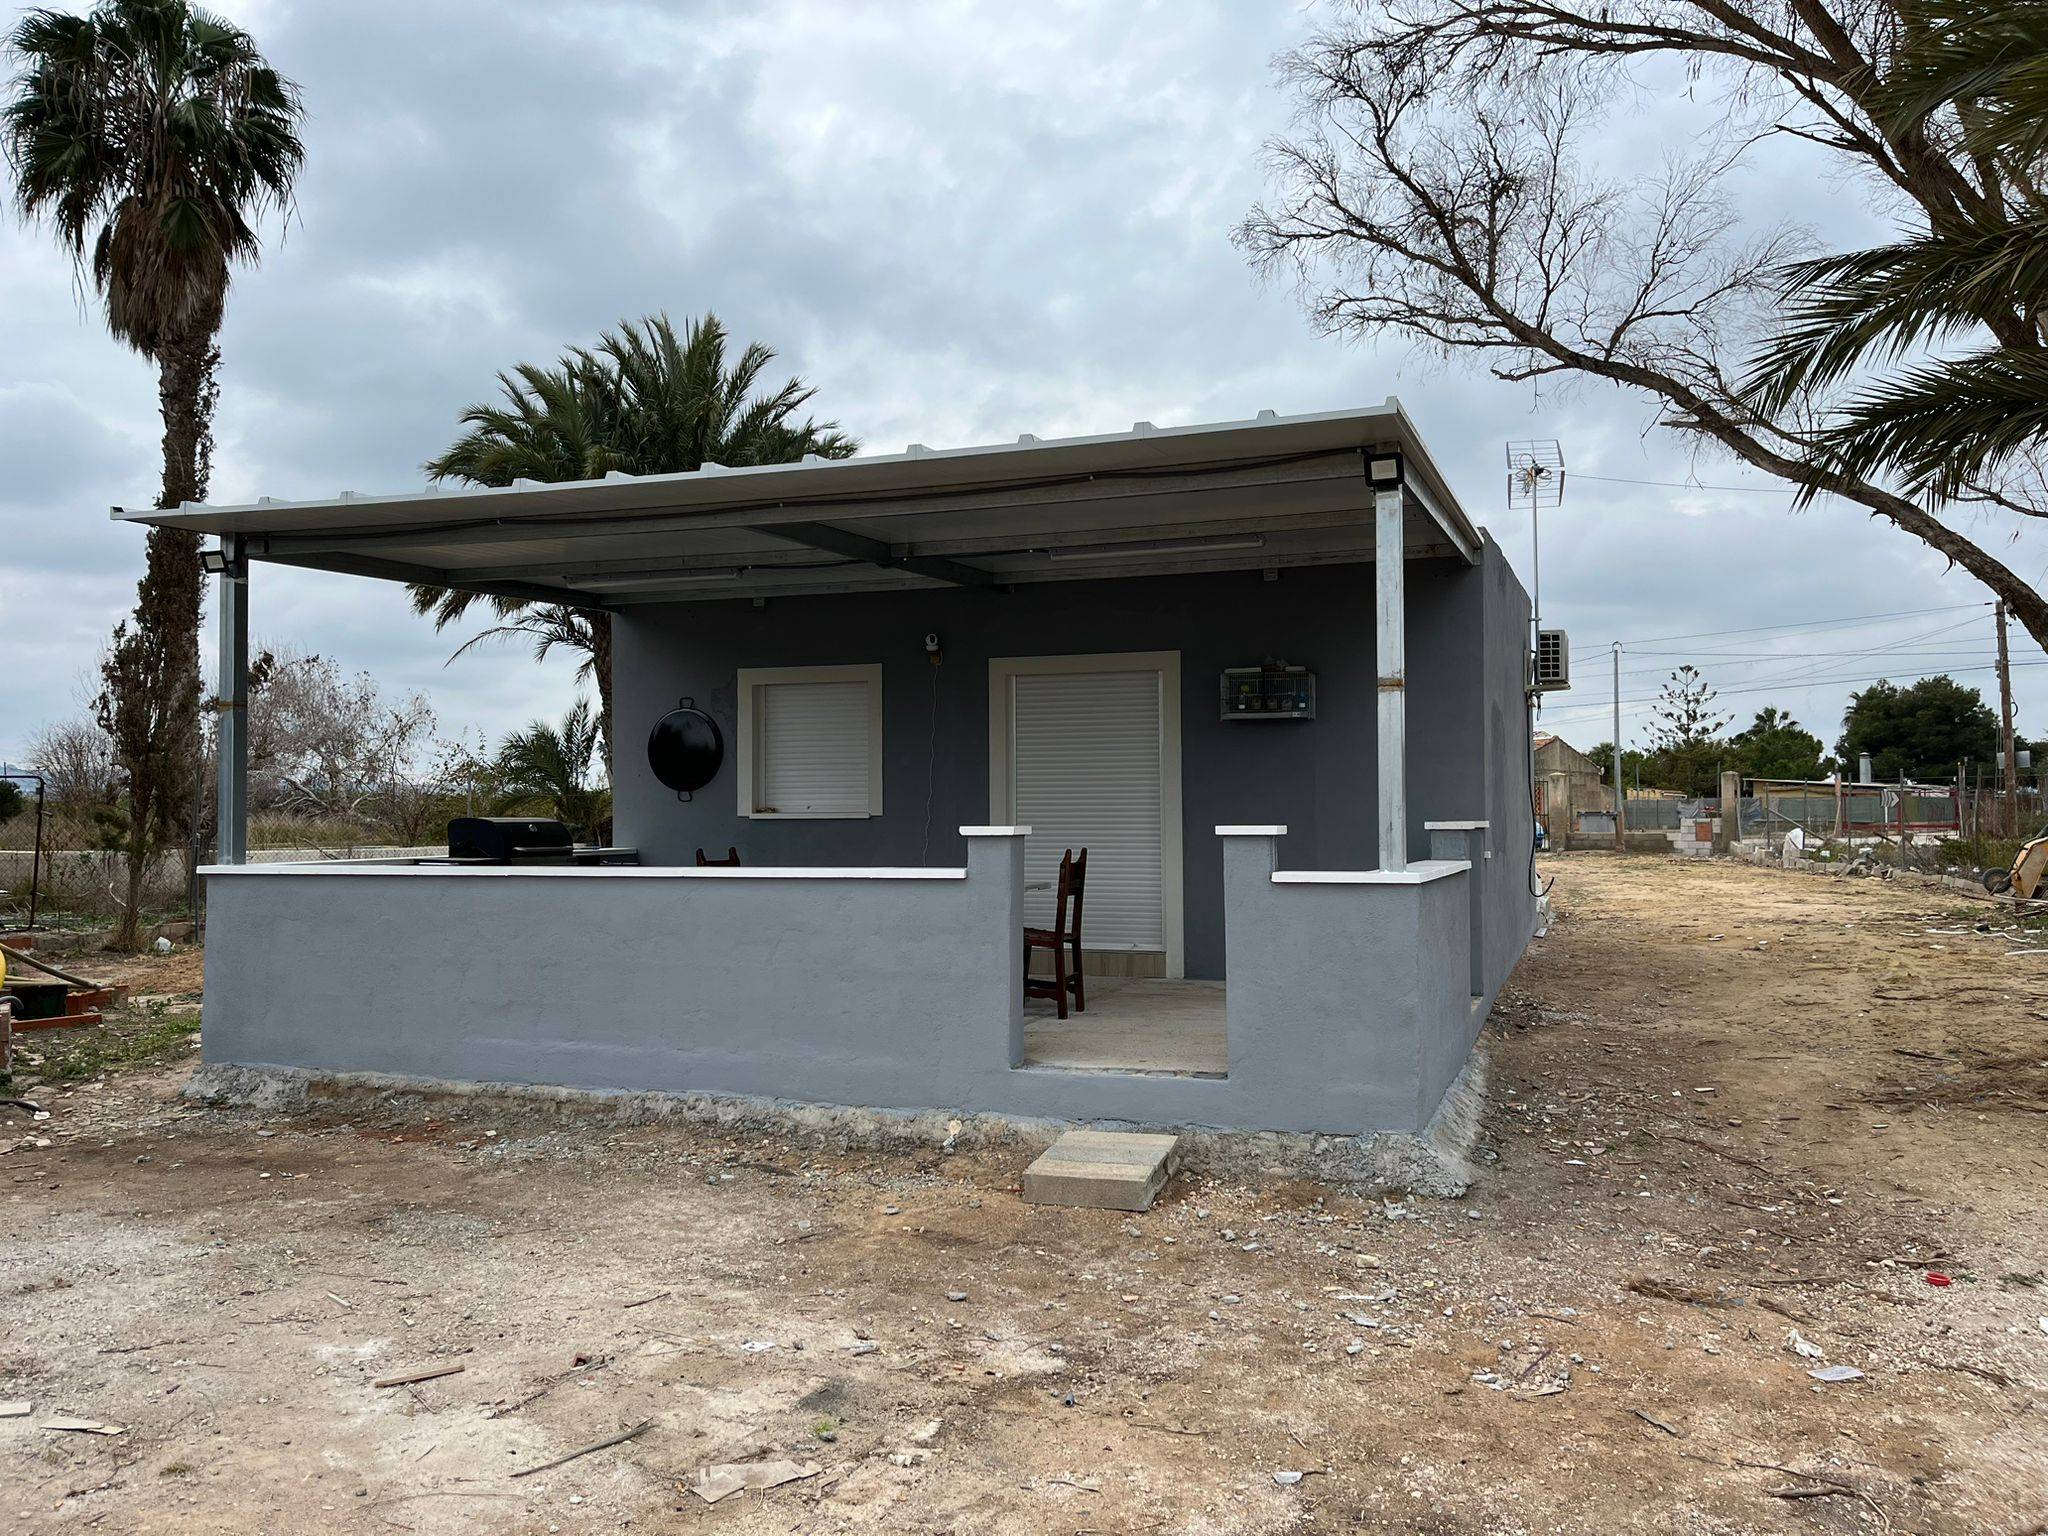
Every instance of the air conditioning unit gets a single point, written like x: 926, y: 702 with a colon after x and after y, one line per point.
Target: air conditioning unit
x: 1552, y: 663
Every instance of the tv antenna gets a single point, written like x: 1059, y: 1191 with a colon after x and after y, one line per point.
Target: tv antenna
x: 1535, y: 481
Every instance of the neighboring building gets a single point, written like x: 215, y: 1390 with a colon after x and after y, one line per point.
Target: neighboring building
x: 1255, y: 669
x: 1567, y: 783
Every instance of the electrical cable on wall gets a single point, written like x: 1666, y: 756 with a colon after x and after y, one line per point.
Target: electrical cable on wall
x: 931, y: 751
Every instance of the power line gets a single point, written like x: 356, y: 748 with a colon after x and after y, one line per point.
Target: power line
x: 1890, y: 648
x: 1801, y: 685
x: 1758, y: 629
x: 1694, y: 485
x: 1820, y: 660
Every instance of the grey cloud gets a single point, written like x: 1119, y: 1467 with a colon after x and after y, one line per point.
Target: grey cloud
x: 961, y: 223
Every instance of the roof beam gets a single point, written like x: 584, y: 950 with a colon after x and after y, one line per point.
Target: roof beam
x: 1456, y: 530
x: 399, y: 570
x: 839, y: 541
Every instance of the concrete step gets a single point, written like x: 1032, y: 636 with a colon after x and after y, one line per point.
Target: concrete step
x: 1102, y: 1170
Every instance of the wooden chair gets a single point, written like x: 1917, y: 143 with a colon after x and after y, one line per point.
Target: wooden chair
x: 730, y: 861
x: 1062, y: 938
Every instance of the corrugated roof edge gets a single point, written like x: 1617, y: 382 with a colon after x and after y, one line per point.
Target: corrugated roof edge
x: 1429, y: 482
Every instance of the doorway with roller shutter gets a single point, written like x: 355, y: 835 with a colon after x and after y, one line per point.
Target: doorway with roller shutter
x: 1085, y: 750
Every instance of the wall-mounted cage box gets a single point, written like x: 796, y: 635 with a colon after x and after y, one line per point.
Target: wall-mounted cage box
x: 1551, y: 667
x: 1273, y: 692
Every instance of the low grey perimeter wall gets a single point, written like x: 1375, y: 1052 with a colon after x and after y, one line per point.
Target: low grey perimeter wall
x: 1350, y: 998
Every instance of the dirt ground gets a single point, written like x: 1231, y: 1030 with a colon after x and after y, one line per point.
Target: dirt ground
x: 1728, y: 1108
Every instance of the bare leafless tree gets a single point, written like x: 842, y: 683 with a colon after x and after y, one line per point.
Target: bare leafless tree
x: 323, y: 742
x: 76, y: 759
x: 1443, y: 183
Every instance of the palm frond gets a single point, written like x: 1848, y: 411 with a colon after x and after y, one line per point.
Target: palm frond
x: 1877, y: 305
x: 151, y: 137
x: 1990, y: 56
x: 1945, y: 425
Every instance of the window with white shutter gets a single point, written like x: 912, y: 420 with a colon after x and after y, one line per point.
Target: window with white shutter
x: 811, y: 741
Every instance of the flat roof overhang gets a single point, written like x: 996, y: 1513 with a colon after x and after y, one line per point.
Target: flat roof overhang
x: 1272, y: 492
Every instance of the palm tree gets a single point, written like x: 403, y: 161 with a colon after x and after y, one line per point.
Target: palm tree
x: 553, y: 763
x: 1973, y: 73
x: 644, y: 401
x: 152, y: 136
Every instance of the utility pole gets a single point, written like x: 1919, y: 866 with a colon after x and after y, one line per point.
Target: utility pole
x: 1620, y: 796
x: 2012, y: 761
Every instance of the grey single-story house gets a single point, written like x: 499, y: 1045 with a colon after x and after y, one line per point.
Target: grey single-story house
x: 1267, y: 673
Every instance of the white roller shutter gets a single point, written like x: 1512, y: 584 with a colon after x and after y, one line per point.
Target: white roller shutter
x: 1085, y: 760
x: 812, y: 753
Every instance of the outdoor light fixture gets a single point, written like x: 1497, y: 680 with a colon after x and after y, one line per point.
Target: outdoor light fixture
x: 1384, y: 471
x: 222, y: 562
x: 1194, y: 545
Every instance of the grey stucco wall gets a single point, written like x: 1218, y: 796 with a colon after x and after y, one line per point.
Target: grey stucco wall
x: 1347, y: 994
x: 1344, y: 1007
x: 1510, y: 901
x: 855, y: 991
x: 1318, y: 778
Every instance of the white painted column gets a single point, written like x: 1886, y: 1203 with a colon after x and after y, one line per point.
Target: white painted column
x: 1390, y: 647
x: 231, y: 841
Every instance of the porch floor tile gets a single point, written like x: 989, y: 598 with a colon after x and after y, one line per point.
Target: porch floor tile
x: 1132, y: 1025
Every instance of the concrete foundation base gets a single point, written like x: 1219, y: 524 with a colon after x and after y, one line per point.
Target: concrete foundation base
x: 1102, y: 1170
x: 1436, y: 1162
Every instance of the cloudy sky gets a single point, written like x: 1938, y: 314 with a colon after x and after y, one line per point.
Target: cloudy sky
x: 961, y: 222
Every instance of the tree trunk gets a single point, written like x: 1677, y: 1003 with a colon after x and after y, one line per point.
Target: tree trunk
x: 151, y: 706
x: 601, y: 669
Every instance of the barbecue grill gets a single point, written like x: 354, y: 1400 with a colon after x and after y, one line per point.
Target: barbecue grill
x: 522, y: 840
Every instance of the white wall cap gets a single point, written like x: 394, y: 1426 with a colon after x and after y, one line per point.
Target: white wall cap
x: 390, y: 868
x: 1251, y: 831
x: 995, y: 831
x: 1421, y: 872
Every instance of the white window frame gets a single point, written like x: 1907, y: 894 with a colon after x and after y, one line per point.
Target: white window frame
x: 1003, y: 670
x: 751, y: 681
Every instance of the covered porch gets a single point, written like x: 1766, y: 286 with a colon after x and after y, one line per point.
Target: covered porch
x: 847, y: 959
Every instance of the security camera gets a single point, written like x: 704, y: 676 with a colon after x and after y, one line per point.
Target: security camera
x: 931, y: 643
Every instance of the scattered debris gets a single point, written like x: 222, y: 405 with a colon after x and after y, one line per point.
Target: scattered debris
x: 1800, y: 1345
x: 717, y: 1482
x: 1668, y: 1290
x: 1656, y: 1423
x: 1936, y: 1277
x: 1835, y: 1373
x: 645, y: 1300
x: 596, y: 1445
x: 20, y: 1408
x: 1068, y: 1482
x: 84, y: 1426
x: 425, y: 1373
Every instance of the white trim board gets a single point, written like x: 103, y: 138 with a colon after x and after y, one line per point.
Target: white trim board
x: 1003, y: 670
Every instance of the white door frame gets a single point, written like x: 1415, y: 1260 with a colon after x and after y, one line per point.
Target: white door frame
x: 1001, y: 728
